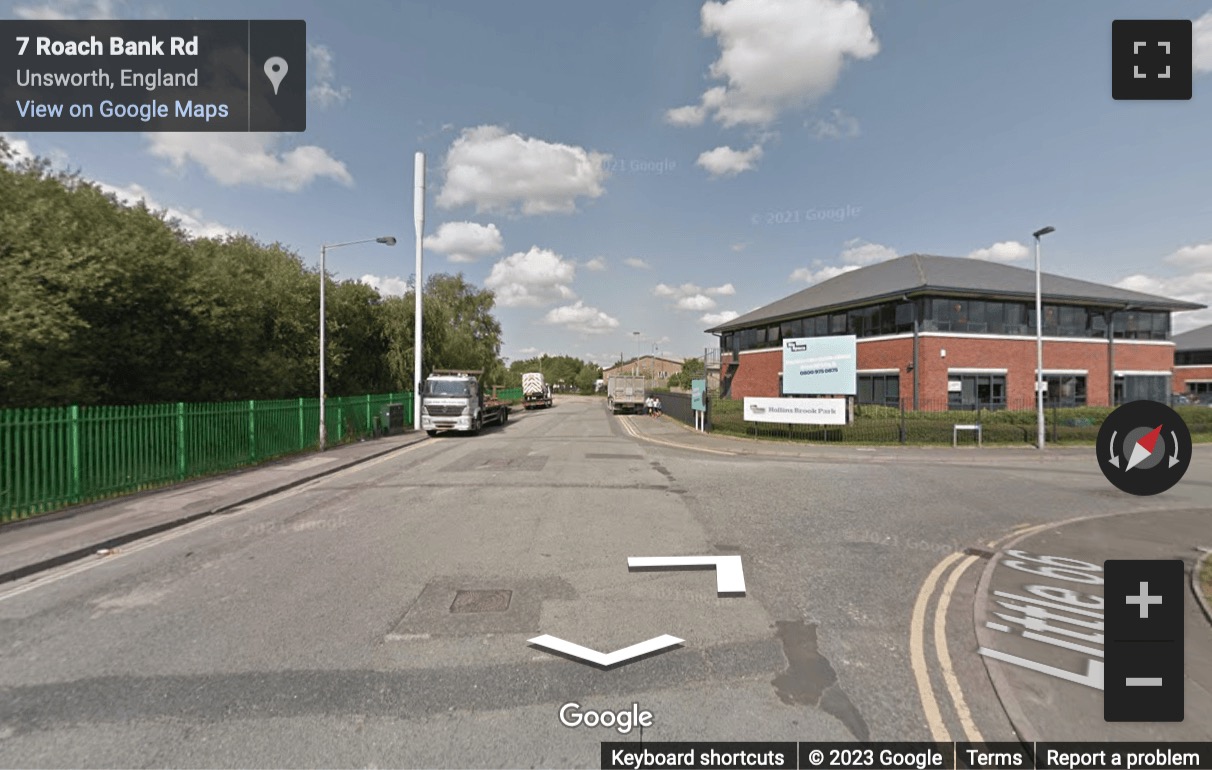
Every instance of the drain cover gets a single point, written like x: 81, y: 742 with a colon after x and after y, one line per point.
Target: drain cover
x: 481, y: 601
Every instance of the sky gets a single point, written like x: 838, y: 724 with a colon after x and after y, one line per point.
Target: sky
x: 609, y: 169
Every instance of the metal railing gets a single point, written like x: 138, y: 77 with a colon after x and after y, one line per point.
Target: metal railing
x: 52, y: 457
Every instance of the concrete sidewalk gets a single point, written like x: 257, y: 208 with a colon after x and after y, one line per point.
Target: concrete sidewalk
x: 42, y: 542
x: 1052, y: 688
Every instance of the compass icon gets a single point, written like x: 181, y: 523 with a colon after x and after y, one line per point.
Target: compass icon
x: 1144, y: 447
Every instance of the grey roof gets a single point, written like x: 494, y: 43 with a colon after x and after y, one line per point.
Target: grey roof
x: 1196, y: 339
x: 917, y: 274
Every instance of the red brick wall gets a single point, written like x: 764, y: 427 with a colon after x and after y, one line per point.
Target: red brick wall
x: 758, y: 374
x: 1184, y: 373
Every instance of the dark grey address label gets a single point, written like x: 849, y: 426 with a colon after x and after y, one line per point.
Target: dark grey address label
x: 153, y: 75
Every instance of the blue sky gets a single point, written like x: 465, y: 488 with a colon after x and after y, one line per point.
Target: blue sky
x: 659, y: 167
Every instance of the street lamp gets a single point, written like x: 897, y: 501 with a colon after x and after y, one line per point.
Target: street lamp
x: 386, y: 240
x: 1039, y: 341
x: 652, y: 368
x: 636, y: 368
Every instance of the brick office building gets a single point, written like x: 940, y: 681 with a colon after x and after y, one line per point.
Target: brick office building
x: 945, y: 332
x: 1193, y: 364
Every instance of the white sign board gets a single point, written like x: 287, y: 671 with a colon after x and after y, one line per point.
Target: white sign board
x: 820, y: 365
x: 801, y: 411
x: 955, y: 386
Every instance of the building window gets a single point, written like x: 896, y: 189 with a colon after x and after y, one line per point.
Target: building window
x: 1065, y: 389
x: 882, y: 389
x: 1193, y: 358
x: 976, y: 391
x: 1200, y: 392
x: 1142, y: 387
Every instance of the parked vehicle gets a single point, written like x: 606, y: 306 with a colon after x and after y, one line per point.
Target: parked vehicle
x: 535, y: 391
x: 454, y: 400
x: 626, y: 394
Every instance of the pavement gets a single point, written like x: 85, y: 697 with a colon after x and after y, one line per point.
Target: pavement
x: 1056, y: 695
x: 29, y: 546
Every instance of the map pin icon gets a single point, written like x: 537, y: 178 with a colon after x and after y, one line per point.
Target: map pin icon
x: 275, y: 70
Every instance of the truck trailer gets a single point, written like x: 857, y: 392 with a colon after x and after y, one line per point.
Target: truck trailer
x: 626, y: 394
x: 536, y: 391
x: 454, y: 400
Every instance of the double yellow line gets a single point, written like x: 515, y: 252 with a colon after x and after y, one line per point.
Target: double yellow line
x: 634, y: 432
x: 955, y: 564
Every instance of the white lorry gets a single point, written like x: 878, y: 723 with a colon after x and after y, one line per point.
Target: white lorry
x: 453, y: 400
x: 535, y: 391
x: 626, y: 394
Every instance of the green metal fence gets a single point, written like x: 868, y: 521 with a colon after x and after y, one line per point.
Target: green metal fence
x: 58, y: 456
x: 510, y: 394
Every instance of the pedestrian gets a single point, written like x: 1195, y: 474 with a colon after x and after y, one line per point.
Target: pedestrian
x: 648, y: 406
x: 656, y: 406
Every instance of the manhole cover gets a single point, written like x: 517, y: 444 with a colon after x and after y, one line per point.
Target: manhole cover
x: 481, y: 601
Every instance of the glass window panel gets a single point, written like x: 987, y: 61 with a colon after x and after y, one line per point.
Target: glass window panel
x: 904, y: 317
x: 887, y: 313
x: 837, y: 323
x: 857, y: 319
x: 821, y: 324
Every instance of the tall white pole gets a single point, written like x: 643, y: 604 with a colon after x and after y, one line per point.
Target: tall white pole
x: 323, y: 276
x: 1039, y: 352
x: 418, y: 218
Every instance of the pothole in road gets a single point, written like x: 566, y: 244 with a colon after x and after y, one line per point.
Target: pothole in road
x: 496, y: 600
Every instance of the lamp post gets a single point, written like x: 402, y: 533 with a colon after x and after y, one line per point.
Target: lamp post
x: 636, y: 369
x: 652, y: 367
x: 387, y: 240
x: 1039, y: 341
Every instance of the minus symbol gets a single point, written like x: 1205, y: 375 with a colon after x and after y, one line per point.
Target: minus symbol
x: 1143, y: 681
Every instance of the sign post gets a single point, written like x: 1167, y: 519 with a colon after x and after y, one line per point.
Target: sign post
x: 698, y: 399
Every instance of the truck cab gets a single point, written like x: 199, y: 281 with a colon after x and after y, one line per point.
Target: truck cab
x: 455, y: 401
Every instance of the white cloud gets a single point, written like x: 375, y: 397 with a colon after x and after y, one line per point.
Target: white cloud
x: 860, y: 252
x: 1201, y: 41
x: 596, y: 264
x: 1199, y: 255
x: 68, y: 9
x: 1004, y: 251
x: 1194, y: 284
x: 581, y: 318
x: 253, y: 159
x: 855, y: 254
x: 820, y: 273
x: 837, y: 125
x: 725, y: 161
x: 696, y: 302
x: 528, y: 351
x: 722, y: 317
x: 533, y: 278
x: 465, y: 241
x: 388, y: 286
x: 502, y: 172
x: 690, y: 296
x: 18, y: 148
x: 690, y: 115
x: 324, y: 91
x: 1192, y: 287
x: 638, y: 264
x: 192, y: 220
x: 777, y: 55
x: 739, y: 246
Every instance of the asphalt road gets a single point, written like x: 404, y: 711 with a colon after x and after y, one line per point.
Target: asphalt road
x: 314, y: 628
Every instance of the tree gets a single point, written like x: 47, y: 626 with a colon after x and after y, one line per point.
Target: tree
x: 692, y: 369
